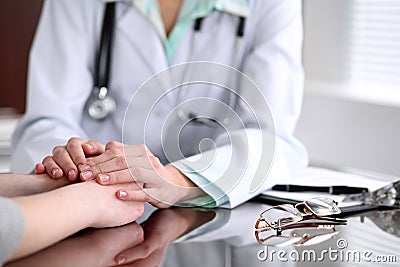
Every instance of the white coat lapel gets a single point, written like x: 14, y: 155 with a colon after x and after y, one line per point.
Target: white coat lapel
x: 143, y: 37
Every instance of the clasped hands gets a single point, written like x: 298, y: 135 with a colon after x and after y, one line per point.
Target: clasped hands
x: 116, y: 163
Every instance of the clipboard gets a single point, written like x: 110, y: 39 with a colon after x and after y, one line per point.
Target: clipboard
x: 317, y: 176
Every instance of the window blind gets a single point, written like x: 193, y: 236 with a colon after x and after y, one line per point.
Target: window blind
x: 375, y: 42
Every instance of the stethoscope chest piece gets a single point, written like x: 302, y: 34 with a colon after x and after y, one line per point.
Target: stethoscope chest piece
x: 103, y: 106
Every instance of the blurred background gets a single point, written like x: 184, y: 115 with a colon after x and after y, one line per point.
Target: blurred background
x: 351, y: 109
x: 18, y: 20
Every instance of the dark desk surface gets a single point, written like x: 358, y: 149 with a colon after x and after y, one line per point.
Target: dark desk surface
x: 189, y: 237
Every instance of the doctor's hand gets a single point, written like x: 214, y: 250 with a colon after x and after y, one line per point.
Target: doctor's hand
x: 69, y: 159
x: 162, y: 186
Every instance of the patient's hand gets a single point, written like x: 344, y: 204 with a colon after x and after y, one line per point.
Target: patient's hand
x: 66, y: 160
x: 104, y: 207
x: 162, y: 185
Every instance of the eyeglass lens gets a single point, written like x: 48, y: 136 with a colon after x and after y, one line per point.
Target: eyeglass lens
x: 322, y: 206
x: 282, y: 215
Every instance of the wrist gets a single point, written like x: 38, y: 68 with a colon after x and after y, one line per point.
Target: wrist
x: 190, y: 190
x: 29, y: 184
x: 48, y: 183
x: 83, y: 195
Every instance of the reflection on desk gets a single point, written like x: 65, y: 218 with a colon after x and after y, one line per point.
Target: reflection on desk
x: 192, y: 237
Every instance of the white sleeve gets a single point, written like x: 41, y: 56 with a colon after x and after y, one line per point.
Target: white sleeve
x: 59, y: 81
x: 274, y: 64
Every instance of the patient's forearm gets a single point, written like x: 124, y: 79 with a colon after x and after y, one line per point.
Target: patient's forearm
x: 52, y: 216
x: 14, y: 185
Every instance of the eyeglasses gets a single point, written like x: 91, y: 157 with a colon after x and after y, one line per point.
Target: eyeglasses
x: 312, y: 213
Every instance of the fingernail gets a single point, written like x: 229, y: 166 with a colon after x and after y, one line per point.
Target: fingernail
x: 87, y: 174
x: 84, y: 167
x: 71, y: 173
x: 123, y: 194
x: 54, y: 172
x: 104, y: 178
x: 120, y: 259
x: 90, y: 147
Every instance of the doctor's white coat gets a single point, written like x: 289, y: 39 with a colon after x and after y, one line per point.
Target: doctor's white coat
x: 61, y: 69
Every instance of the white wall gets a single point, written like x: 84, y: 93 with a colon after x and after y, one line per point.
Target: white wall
x: 348, y: 133
x: 339, y: 127
x: 326, y: 39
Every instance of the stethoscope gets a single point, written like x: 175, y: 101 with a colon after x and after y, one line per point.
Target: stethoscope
x: 103, y: 104
x: 202, y: 120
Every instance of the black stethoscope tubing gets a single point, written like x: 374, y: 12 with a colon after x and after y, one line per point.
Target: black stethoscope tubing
x: 191, y: 117
x: 104, y: 105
